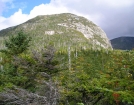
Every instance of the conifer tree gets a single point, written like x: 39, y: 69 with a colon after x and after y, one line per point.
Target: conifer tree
x: 17, y: 44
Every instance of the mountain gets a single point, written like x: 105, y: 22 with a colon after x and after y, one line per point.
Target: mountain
x: 62, y: 30
x: 123, y: 43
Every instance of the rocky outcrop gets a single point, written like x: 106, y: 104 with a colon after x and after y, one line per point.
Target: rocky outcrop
x: 63, y: 30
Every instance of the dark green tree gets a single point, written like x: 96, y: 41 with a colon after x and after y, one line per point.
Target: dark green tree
x: 17, y: 44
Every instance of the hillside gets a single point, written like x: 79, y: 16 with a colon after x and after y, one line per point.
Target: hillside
x: 63, y: 30
x: 123, y: 43
x: 33, y: 75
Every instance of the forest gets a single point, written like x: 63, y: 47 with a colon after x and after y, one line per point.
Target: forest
x: 56, y: 77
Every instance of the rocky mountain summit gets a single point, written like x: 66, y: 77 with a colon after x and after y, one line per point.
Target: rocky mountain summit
x: 63, y: 31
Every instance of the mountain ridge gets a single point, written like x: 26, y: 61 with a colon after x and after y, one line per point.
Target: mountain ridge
x: 63, y: 30
x: 123, y: 43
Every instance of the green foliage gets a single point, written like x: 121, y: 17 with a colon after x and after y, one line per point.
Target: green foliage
x: 10, y: 74
x: 80, y: 104
x: 95, y: 78
x: 63, y: 36
x: 17, y: 44
x: 90, y: 77
x: 99, y: 77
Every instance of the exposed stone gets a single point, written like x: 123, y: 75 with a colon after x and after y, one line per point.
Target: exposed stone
x: 50, y: 32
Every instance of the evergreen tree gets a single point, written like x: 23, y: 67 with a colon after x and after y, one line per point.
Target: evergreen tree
x: 17, y: 44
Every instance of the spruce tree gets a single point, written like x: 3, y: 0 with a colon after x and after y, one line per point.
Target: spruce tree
x: 17, y: 44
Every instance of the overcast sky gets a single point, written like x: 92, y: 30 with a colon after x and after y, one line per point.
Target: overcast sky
x: 115, y: 17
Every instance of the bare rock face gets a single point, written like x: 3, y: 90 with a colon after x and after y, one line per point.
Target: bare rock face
x: 63, y: 30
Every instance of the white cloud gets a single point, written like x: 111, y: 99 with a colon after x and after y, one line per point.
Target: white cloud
x: 46, y: 9
x: 116, y: 3
x: 105, y: 13
x: 54, y: 7
x: 18, y: 17
x: 2, y: 19
x: 13, y: 20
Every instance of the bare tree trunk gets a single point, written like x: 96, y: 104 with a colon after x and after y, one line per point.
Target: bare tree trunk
x: 69, y: 58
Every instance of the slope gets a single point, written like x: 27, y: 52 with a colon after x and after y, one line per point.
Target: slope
x: 63, y: 31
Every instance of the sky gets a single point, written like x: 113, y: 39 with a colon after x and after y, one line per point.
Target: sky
x: 115, y: 17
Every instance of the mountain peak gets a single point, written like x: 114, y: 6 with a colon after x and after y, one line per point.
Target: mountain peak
x: 63, y: 30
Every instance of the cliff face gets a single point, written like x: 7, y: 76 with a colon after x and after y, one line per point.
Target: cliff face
x: 62, y: 30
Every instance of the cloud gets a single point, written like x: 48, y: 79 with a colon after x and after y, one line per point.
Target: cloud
x: 115, y: 17
x: 116, y: 3
x: 47, y: 9
x: 13, y: 20
x: 18, y: 17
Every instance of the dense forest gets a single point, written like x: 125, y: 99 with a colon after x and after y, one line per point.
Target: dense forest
x: 54, y: 77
